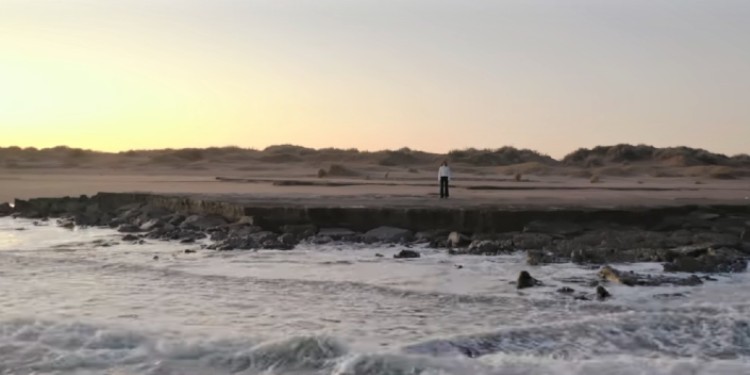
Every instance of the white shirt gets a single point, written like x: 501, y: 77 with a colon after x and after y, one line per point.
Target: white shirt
x: 444, y: 171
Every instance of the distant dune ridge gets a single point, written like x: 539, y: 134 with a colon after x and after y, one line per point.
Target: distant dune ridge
x: 618, y: 160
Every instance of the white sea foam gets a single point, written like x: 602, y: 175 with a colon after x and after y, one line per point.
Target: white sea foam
x: 83, y: 302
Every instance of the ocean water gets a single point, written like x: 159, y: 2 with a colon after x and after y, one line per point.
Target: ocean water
x: 81, y: 302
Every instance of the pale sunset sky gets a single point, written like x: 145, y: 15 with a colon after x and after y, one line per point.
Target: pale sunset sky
x: 551, y: 75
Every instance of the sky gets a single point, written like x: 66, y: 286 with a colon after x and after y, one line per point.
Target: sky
x: 435, y: 75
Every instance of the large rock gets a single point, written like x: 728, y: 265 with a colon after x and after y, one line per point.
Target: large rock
x: 526, y: 281
x: 200, y: 222
x: 388, y: 235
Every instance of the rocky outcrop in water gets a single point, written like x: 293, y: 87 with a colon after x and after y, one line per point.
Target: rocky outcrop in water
x: 407, y: 254
x: 584, y: 236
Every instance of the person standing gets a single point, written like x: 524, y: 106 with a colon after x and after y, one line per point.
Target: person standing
x: 444, y: 176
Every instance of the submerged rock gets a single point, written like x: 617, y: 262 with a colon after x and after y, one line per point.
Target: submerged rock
x: 602, y: 294
x: 526, y: 281
x: 407, y: 254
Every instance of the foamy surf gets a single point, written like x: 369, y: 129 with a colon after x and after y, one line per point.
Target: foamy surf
x: 84, y: 302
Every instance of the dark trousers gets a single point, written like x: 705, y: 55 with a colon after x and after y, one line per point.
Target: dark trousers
x: 444, y: 187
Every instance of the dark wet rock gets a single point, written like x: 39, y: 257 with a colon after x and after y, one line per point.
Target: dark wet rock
x: 188, y: 240
x: 407, y: 254
x: 490, y: 247
x: 531, y: 241
x: 432, y: 236
x: 300, y: 232
x: 156, y: 257
x: 458, y: 266
x: 190, y: 251
x: 275, y: 244
x: 566, y: 290
x: 128, y: 228
x: 602, y: 293
x: 264, y: 236
x: 5, y: 209
x: 379, y: 255
x: 712, y: 261
x: 388, y: 235
x: 458, y: 240
x: 201, y: 222
x: 288, y: 239
x: 130, y: 238
x: 554, y: 228
x: 717, y: 240
x: 218, y: 236
x: 526, y: 281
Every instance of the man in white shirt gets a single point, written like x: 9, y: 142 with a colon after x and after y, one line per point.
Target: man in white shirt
x: 444, y: 176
